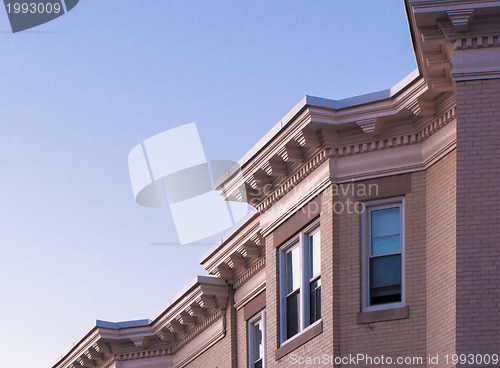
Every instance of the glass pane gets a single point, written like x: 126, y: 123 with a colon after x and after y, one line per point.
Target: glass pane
x: 258, y: 348
x: 385, y: 245
x: 315, y: 301
x: 385, y: 279
x: 385, y: 222
x: 292, y: 270
x: 315, y: 254
x: 385, y: 271
x: 292, y: 314
x: 258, y: 364
x: 388, y: 294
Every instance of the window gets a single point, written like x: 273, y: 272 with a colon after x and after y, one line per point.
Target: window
x: 300, y: 282
x: 256, y: 341
x: 383, y: 255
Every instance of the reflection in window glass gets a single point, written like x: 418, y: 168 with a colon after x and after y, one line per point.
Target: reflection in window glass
x: 385, y: 231
x: 315, y: 253
x: 293, y: 270
x: 385, y: 255
x: 300, y: 282
x: 257, y: 341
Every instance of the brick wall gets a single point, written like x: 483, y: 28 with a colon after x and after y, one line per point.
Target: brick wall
x: 241, y: 339
x: 397, y: 338
x: 430, y: 284
x: 441, y: 256
x: 323, y: 343
x: 478, y: 216
x: 223, y: 353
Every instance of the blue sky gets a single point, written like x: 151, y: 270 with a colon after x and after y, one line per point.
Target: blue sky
x: 80, y: 92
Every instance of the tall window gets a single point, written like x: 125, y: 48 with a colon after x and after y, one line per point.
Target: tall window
x: 256, y: 341
x: 300, y: 282
x: 314, y: 276
x: 383, y: 255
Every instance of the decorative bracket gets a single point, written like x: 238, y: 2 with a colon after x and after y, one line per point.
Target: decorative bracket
x: 461, y: 19
x: 371, y: 126
x: 420, y: 107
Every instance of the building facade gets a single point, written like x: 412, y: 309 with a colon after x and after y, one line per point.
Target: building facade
x: 376, y: 231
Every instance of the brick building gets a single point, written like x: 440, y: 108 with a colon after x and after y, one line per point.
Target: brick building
x: 376, y: 230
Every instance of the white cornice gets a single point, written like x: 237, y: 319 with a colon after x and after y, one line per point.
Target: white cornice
x: 297, y: 141
x: 251, y: 232
x: 251, y: 288
x: 249, y: 273
x: 199, y: 306
x: 214, y: 333
x: 455, y: 40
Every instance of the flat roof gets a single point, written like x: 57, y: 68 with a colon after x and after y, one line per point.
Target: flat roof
x: 198, y: 280
x: 329, y: 104
x: 319, y: 102
x: 124, y: 324
x: 229, y: 235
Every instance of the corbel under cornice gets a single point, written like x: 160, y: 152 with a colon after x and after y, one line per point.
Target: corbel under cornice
x: 314, y: 128
x: 444, y: 30
x: 239, y: 256
x: 198, y: 308
x: 460, y: 18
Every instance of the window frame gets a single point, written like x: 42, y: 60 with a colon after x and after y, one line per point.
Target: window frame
x: 301, y: 240
x: 259, y: 317
x: 365, y: 252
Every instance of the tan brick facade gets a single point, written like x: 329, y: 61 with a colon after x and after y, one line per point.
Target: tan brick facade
x: 478, y: 216
x: 322, y: 343
x: 397, y: 338
x: 431, y: 144
x: 441, y: 259
x: 223, y: 354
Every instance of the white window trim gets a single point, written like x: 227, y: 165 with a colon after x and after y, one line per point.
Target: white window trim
x: 300, y: 238
x: 262, y: 317
x: 365, y: 251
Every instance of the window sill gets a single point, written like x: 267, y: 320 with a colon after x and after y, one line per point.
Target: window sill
x: 382, y: 315
x: 300, y: 339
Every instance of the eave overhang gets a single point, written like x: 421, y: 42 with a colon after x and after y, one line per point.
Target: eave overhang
x: 443, y: 30
x: 238, y: 256
x: 317, y: 130
x: 201, y: 305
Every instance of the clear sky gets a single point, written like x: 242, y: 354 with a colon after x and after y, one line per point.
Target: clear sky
x: 78, y: 93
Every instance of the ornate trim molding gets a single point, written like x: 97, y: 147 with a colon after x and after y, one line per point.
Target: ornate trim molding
x: 141, y: 354
x: 293, y: 181
x: 371, y: 126
x: 396, y: 141
x: 460, y: 18
x: 476, y: 42
x: 248, y: 274
x: 252, y: 233
x: 221, y: 313
x: 106, y: 362
x: 353, y: 149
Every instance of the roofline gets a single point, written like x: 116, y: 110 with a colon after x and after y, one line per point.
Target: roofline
x: 414, y: 42
x: 143, y: 322
x: 329, y: 104
x: 75, y: 346
x: 107, y: 325
x: 322, y: 103
x: 198, y: 280
x: 124, y: 324
x: 228, y: 236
